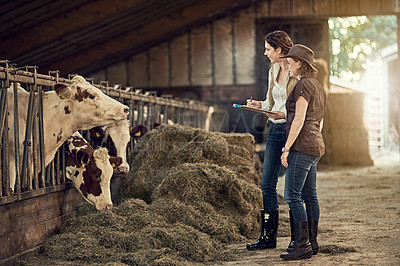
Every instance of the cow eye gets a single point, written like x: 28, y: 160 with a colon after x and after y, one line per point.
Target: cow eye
x: 91, y: 96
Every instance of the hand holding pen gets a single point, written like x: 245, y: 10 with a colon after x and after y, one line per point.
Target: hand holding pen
x: 253, y: 103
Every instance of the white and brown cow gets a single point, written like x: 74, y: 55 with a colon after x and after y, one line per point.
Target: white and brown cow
x: 115, y: 137
x: 90, y: 170
x: 67, y: 109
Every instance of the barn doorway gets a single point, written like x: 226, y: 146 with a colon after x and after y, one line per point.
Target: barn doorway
x: 370, y: 64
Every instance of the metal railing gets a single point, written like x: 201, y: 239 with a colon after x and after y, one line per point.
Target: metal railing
x: 146, y: 109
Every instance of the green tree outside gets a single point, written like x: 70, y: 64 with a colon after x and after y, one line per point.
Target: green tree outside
x: 355, y: 40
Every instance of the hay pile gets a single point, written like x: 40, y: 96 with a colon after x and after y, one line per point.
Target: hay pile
x: 188, y: 193
x: 164, y: 150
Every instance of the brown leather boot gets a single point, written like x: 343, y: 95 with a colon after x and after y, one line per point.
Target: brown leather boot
x: 269, y: 228
x: 302, y: 247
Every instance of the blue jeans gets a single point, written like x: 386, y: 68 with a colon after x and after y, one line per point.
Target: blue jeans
x: 301, y: 186
x: 272, y: 164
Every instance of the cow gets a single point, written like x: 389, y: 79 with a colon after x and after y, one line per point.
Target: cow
x: 115, y: 138
x: 66, y: 109
x: 90, y: 171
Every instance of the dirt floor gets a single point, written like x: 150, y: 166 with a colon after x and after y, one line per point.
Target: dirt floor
x: 360, y: 218
x: 359, y: 223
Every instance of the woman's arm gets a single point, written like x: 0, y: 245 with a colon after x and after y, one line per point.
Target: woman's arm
x: 276, y: 115
x: 297, y: 124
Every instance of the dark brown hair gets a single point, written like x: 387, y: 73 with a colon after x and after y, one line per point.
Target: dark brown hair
x: 305, y: 70
x: 279, y: 39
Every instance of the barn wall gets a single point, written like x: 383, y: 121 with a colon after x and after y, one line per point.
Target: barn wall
x: 138, y: 71
x: 244, y: 52
x: 218, y: 61
x: 179, y: 61
x: 117, y: 73
x: 28, y: 223
x: 200, y: 56
x: 222, y: 52
x: 159, y: 68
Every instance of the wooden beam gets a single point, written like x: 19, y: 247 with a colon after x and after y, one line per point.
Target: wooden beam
x: 21, y: 15
x: 61, y: 25
x: 107, y: 51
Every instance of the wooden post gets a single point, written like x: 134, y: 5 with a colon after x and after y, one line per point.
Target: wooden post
x: 398, y: 68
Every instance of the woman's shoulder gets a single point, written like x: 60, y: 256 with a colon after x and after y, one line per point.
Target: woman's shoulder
x: 308, y: 81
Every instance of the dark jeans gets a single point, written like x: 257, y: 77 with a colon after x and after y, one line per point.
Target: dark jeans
x: 272, y: 164
x: 301, y: 186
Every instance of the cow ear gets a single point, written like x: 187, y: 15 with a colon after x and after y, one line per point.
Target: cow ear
x: 115, y: 161
x: 96, y: 132
x: 78, y: 79
x: 82, y: 158
x: 138, y: 131
x: 63, y: 91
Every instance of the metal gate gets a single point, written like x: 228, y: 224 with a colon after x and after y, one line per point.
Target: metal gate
x: 147, y: 109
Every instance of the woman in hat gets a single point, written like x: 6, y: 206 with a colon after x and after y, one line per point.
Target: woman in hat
x: 303, y: 148
x: 277, y: 44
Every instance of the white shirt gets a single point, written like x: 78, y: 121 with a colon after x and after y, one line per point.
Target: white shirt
x: 278, y: 94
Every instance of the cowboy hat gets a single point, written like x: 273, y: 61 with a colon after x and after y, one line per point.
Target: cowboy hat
x: 300, y: 51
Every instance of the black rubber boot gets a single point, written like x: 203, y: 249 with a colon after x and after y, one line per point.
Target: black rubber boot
x: 302, y: 247
x: 313, y: 231
x: 269, y: 228
x: 292, y: 233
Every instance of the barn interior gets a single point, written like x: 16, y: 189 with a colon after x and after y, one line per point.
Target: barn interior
x: 210, y: 51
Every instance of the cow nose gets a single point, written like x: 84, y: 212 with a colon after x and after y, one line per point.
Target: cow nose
x: 109, y: 206
x: 123, y: 169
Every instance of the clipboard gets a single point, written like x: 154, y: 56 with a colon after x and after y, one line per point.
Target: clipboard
x: 245, y: 107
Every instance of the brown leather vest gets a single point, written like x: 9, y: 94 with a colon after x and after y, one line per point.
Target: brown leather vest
x: 290, y: 86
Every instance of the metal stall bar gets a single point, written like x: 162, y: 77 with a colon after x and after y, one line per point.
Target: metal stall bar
x: 3, y: 110
x: 35, y: 152
x: 5, y: 159
x: 166, y: 107
x: 60, y: 155
x: 3, y: 107
x: 140, y: 113
x: 16, y: 140
x: 28, y: 132
x: 41, y: 132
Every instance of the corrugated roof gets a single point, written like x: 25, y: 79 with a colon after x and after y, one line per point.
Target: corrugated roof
x: 81, y: 35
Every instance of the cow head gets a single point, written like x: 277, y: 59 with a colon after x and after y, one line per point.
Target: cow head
x: 97, y: 179
x: 115, y: 137
x: 117, y: 141
x: 89, y: 104
x: 90, y: 171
